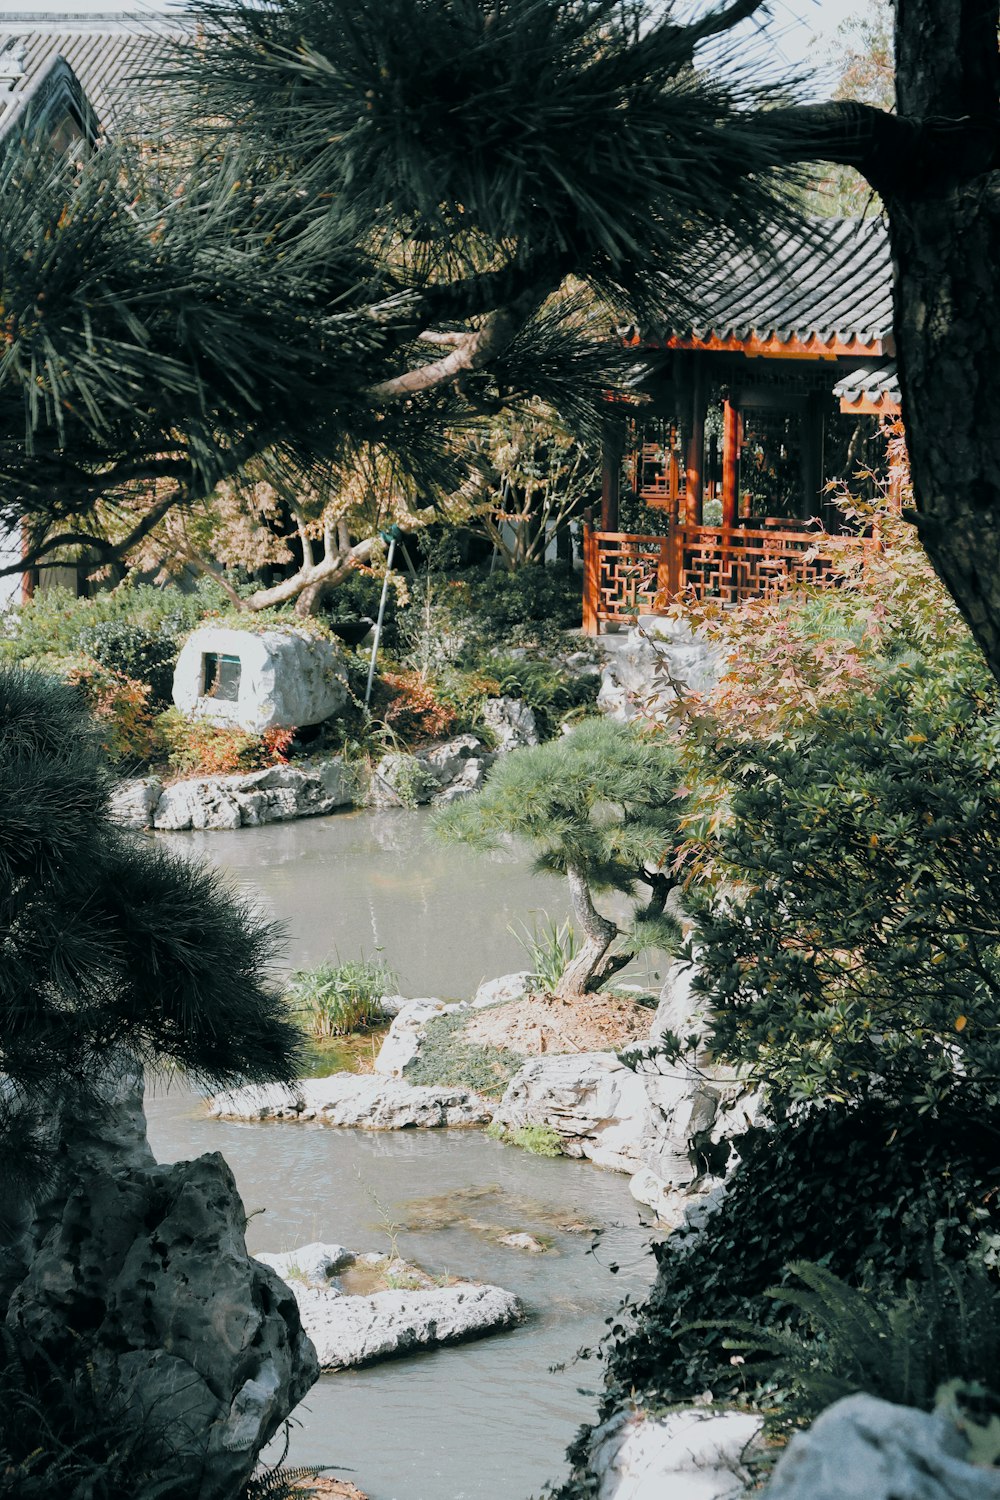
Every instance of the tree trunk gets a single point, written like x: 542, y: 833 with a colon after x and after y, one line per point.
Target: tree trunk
x: 946, y: 251
x: 588, y: 969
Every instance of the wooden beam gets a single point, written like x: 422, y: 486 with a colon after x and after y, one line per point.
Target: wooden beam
x: 591, y: 575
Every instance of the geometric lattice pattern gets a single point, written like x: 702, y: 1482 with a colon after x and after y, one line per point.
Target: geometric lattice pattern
x: 631, y: 574
x: 628, y: 574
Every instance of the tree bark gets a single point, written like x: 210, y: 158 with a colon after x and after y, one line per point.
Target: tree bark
x: 588, y: 969
x: 946, y: 254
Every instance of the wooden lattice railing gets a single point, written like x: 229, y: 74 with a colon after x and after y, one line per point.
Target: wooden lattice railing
x: 625, y: 574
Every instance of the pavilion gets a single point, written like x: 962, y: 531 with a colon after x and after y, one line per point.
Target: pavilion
x: 745, y: 412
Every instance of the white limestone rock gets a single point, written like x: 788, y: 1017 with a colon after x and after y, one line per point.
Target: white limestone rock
x: 862, y: 1446
x: 507, y: 988
x: 350, y: 1331
x: 365, y: 1101
x: 251, y: 798
x: 286, y: 678
x: 316, y: 1263
x: 513, y: 723
x: 403, y: 1040
x: 132, y: 802
x: 638, y: 667
x: 597, y: 1106
x: 694, y: 1454
x: 401, y: 780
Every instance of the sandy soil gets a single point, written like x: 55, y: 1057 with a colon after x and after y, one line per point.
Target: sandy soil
x: 594, y: 1023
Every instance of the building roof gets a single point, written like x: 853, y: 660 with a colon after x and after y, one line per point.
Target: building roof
x: 104, y: 52
x: 825, y: 292
x: 872, y: 388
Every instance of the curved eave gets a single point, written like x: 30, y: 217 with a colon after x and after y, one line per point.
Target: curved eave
x: 773, y: 346
x: 870, y: 406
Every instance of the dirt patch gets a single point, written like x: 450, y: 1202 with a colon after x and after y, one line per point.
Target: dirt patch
x: 543, y: 1024
x: 327, y: 1489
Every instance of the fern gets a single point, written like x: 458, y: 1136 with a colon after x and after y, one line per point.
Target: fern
x: 901, y: 1347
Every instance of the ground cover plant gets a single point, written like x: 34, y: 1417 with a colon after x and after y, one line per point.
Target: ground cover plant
x: 447, y: 1058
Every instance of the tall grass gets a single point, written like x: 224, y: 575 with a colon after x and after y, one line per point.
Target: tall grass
x: 549, y: 946
x: 337, y: 999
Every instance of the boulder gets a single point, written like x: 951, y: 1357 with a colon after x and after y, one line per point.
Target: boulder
x: 258, y: 680
x: 693, y: 1454
x: 597, y: 1106
x: 365, y: 1101
x: 203, y: 1346
x: 864, y: 1446
x: 316, y: 1263
x: 512, y: 722
x: 401, y: 780
x: 643, y: 668
x: 351, y: 1331
x: 503, y: 990
x: 401, y: 1044
x: 132, y: 802
x: 250, y: 798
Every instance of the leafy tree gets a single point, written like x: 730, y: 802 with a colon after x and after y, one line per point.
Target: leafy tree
x: 854, y: 946
x: 115, y: 952
x: 600, y: 806
x: 539, y: 478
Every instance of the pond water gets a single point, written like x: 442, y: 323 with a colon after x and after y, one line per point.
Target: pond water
x: 482, y: 1421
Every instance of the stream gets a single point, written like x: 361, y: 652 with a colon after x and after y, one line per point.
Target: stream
x: 481, y: 1421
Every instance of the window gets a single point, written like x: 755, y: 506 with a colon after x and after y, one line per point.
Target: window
x: 221, y: 676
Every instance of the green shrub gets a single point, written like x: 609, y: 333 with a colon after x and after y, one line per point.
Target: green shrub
x: 336, y: 999
x: 135, y: 652
x: 54, y: 620
x: 853, y: 938
x: 446, y: 1058
x: 509, y: 604
x: 902, y: 1346
x: 357, y: 597
x: 549, y: 690
x: 537, y: 1140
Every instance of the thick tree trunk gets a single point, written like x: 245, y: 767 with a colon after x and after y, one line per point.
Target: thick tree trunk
x: 590, y: 967
x: 946, y: 252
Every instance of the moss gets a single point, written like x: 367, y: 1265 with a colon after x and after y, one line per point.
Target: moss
x: 540, y: 1140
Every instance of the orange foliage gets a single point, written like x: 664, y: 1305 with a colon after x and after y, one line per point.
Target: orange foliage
x: 415, y: 711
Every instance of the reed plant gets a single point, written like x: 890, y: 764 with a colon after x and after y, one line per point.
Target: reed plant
x: 340, y: 998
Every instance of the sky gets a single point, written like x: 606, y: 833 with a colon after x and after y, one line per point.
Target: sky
x: 800, y: 28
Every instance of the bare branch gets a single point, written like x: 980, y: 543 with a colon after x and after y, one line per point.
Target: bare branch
x: 475, y: 351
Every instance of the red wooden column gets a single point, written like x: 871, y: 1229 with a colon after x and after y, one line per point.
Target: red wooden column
x: 694, y: 475
x: 591, y: 575
x: 612, y: 448
x: 730, y: 462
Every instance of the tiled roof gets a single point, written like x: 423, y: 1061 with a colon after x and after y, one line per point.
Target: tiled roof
x: 873, y: 386
x: 105, y: 53
x: 829, y: 286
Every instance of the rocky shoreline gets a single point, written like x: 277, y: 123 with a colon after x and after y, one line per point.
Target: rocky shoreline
x: 437, y: 773
x: 667, y: 1125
